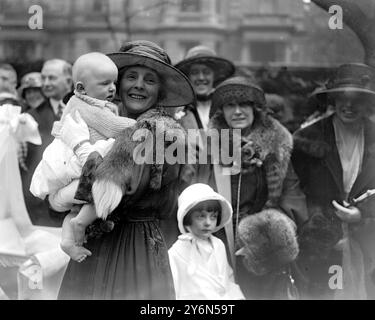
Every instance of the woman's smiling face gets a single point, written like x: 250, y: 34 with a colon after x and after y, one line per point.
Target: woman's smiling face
x: 350, y: 107
x: 202, y: 78
x: 139, y: 89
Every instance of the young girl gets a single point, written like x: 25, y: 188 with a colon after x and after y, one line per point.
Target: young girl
x: 94, y: 77
x: 198, y: 259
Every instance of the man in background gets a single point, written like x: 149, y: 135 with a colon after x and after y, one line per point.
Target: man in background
x: 8, y: 79
x: 56, y: 85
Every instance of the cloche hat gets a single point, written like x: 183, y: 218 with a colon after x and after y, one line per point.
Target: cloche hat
x: 238, y: 88
x: 30, y: 80
x: 197, y: 193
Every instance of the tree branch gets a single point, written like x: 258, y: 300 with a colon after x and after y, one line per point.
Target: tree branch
x: 359, y: 21
x: 150, y: 7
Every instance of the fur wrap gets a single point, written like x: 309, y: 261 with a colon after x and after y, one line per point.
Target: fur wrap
x: 269, y: 144
x: 117, y: 174
x: 269, y: 241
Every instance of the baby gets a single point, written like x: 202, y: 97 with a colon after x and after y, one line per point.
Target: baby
x: 57, y: 175
x: 198, y: 259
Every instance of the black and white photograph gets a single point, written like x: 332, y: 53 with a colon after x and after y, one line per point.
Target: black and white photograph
x: 179, y: 150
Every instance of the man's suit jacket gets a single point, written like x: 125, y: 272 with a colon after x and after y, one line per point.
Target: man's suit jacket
x: 39, y: 211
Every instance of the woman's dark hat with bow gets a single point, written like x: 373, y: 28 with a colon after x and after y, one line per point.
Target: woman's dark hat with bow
x: 222, y: 68
x: 177, y: 88
x: 351, y: 77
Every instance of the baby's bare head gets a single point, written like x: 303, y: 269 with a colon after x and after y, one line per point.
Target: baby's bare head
x: 95, y: 75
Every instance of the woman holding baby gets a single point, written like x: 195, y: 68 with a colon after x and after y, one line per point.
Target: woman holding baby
x: 129, y: 256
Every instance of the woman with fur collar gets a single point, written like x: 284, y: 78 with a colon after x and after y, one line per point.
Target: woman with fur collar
x: 265, y: 179
x: 335, y: 161
x: 129, y: 255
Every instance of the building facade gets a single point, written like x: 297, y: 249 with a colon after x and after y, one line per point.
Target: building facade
x: 249, y: 32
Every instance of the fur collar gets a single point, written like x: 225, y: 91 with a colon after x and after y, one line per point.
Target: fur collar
x: 318, y: 139
x: 269, y: 144
x: 118, y: 174
x: 120, y: 157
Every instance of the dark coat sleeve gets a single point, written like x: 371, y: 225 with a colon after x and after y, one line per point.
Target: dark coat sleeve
x: 293, y: 200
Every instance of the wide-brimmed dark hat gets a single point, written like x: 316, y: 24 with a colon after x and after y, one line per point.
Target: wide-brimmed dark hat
x: 222, y: 68
x: 351, y: 77
x: 239, y: 89
x: 177, y: 88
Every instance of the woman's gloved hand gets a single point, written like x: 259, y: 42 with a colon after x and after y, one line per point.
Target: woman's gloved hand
x: 348, y: 214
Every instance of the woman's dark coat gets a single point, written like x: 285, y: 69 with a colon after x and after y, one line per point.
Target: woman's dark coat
x: 317, y: 163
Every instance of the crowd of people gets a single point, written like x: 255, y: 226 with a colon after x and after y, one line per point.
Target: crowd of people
x: 269, y: 226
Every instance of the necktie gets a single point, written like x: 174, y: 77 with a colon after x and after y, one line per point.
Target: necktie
x: 59, y: 110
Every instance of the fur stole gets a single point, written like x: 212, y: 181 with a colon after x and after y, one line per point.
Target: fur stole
x: 269, y: 241
x: 313, y: 140
x: 318, y: 139
x: 119, y: 174
x: 269, y: 144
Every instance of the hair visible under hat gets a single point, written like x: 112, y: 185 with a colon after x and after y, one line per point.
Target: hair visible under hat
x: 238, y: 89
x: 201, y: 54
x: 187, y: 218
x: 177, y: 90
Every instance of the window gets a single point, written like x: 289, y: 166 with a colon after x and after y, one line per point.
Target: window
x: 94, y: 44
x: 19, y: 50
x: 188, y: 44
x: 54, y: 7
x: 268, y: 7
x: 219, y: 6
x: 267, y: 51
x: 98, y: 5
x: 190, y: 5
